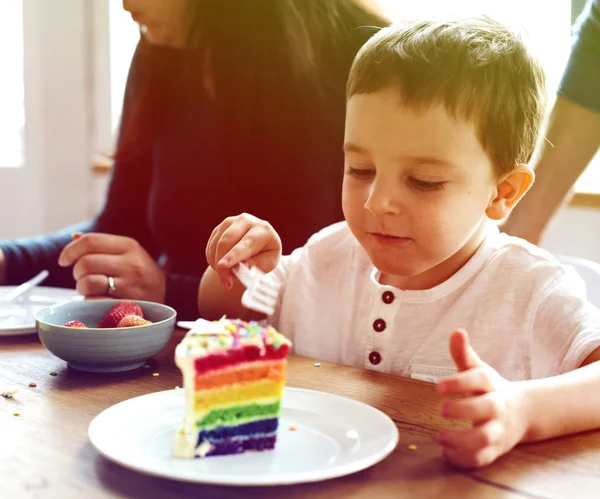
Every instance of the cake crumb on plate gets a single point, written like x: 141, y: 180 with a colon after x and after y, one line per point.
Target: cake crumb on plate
x: 9, y: 392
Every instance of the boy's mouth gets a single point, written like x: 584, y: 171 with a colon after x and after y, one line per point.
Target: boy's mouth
x: 389, y: 240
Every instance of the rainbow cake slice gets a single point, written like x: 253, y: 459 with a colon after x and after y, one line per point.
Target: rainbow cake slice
x: 233, y: 377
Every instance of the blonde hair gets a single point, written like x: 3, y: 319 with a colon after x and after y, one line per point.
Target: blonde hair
x: 477, y: 69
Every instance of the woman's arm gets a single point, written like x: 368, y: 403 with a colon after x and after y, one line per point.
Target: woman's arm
x: 23, y: 258
x: 572, y: 140
x: 573, y: 134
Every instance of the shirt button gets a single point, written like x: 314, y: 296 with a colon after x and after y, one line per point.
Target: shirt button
x: 374, y: 358
x: 379, y: 325
x: 388, y: 297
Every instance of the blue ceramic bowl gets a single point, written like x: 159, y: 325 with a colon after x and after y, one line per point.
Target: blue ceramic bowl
x: 106, y: 349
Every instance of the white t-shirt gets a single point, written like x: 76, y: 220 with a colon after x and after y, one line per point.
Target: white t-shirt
x: 526, y: 314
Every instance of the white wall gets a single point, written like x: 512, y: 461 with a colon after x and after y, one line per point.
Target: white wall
x: 575, y: 232
x: 52, y: 188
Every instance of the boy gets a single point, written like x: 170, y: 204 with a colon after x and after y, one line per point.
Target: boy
x: 442, y: 119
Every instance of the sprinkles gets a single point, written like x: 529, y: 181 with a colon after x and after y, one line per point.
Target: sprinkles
x: 226, y: 334
x: 412, y: 447
x: 317, y: 364
x: 155, y: 375
x: 53, y: 373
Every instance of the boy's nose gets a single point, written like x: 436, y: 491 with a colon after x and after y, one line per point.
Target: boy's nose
x: 383, y: 200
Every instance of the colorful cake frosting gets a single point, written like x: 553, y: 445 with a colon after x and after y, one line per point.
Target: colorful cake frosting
x: 233, y: 377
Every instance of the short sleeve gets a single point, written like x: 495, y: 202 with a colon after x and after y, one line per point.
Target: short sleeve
x: 302, y: 256
x: 581, y: 79
x: 566, y: 327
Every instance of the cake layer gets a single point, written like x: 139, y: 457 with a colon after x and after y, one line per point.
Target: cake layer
x: 237, y: 445
x: 246, y: 372
x: 256, y: 428
x: 237, y: 394
x: 237, y: 413
x: 249, y: 353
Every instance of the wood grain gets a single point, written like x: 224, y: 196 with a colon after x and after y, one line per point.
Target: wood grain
x: 45, y: 452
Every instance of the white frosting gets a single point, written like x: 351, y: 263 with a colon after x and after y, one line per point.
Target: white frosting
x: 9, y: 392
x: 203, y: 449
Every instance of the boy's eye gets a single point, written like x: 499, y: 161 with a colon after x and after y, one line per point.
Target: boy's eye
x: 360, y: 173
x: 424, y: 185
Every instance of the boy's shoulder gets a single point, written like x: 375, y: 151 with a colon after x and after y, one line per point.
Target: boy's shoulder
x: 519, y: 261
x: 516, y: 250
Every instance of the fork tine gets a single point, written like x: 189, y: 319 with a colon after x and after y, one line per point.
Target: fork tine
x: 257, y: 294
x: 262, y: 298
x: 243, y: 274
x: 266, y: 300
x: 248, y: 302
x: 268, y: 291
x: 261, y: 292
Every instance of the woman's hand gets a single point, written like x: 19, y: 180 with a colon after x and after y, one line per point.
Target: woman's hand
x: 243, y: 238
x: 96, y: 257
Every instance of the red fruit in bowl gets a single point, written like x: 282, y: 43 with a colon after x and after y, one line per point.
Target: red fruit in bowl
x: 75, y: 324
x: 120, y: 311
x: 132, y: 320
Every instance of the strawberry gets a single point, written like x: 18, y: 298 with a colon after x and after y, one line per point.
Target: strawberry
x: 118, y: 312
x: 132, y: 320
x: 75, y: 324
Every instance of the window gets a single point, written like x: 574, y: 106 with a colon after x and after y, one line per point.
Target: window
x: 12, y: 103
x: 45, y: 125
x: 124, y: 35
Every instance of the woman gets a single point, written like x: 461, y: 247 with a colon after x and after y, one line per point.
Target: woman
x: 230, y: 106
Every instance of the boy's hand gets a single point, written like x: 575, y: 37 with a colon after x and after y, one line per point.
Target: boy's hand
x: 243, y: 238
x: 494, y: 405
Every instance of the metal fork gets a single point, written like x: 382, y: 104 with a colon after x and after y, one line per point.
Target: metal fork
x: 261, y: 293
x: 25, y: 287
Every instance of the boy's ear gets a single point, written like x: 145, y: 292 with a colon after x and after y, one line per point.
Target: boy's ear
x: 509, y: 190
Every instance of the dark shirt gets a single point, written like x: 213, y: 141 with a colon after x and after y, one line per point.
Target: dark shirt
x: 581, y: 79
x: 185, y: 181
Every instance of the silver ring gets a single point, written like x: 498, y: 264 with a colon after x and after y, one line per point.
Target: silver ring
x: 111, y: 286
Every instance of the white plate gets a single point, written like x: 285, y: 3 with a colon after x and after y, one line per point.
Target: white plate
x: 334, y: 436
x: 18, y: 317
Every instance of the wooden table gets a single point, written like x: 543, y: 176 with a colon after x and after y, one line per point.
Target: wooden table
x: 45, y: 452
